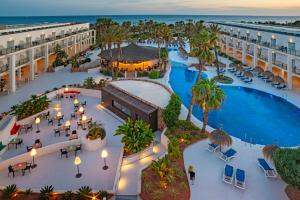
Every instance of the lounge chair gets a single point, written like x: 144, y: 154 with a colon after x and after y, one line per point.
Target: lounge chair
x: 213, y: 147
x: 248, y: 80
x: 228, y: 174
x: 269, y: 172
x: 240, y: 179
x: 228, y: 155
x: 280, y: 86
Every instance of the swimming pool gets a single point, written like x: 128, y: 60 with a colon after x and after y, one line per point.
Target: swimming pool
x: 248, y: 114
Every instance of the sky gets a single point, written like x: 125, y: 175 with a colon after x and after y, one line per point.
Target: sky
x: 145, y: 7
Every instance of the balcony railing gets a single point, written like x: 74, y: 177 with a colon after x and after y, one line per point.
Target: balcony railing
x: 34, y: 43
x: 250, y: 52
x: 280, y: 64
x: 281, y: 48
x: 263, y: 57
x: 4, y: 68
x: 296, y: 70
x: 22, y: 61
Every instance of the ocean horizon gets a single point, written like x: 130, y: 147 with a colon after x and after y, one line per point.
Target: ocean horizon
x: 14, y: 20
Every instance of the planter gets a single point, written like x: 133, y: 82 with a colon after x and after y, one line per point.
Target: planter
x: 93, y: 145
x: 58, y: 68
x: 138, y: 156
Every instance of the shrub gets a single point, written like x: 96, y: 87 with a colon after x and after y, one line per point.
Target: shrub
x: 137, y: 135
x: 28, y: 192
x: 46, y: 192
x: 154, y: 74
x: 164, y: 169
x: 102, y: 193
x: 31, y: 107
x: 186, y: 125
x: 67, y: 195
x: 89, y: 83
x: 83, y: 193
x: 223, y: 79
x: 173, y: 148
x: 287, y: 162
x: 172, y: 111
x: 9, y: 191
x: 96, y: 131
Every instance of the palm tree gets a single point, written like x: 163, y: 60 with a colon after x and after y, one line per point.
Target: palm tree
x: 121, y: 36
x: 102, y: 25
x: 158, y: 37
x: 201, y: 43
x: 220, y: 137
x: 208, y: 96
x: 215, y: 30
x: 109, y: 38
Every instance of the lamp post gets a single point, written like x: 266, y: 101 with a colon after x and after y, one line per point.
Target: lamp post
x: 37, y: 122
x: 32, y: 154
x: 83, y: 122
x: 58, y: 115
x: 81, y: 110
x: 67, y: 128
x: 104, y: 155
x: 76, y: 102
x: 77, y: 162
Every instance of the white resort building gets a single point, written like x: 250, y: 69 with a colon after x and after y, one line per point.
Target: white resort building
x: 275, y: 49
x: 27, y: 51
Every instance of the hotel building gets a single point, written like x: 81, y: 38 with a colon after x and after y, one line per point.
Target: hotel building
x: 276, y: 49
x: 27, y: 51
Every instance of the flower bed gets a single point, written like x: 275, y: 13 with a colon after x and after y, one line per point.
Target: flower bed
x: 176, y: 186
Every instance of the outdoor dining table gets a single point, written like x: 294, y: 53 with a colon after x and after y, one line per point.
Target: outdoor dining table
x: 15, y: 142
x: 19, y: 166
x: 25, y: 127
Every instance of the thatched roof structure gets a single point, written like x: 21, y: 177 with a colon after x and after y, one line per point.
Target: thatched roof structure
x: 258, y: 69
x: 220, y: 137
x: 248, y: 74
x: 278, y: 79
x: 269, y: 150
x: 131, y: 53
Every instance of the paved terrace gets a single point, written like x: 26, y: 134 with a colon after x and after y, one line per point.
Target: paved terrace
x: 209, y: 168
x: 52, y: 170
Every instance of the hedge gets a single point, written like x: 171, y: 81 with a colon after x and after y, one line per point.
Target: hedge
x: 154, y: 74
x: 287, y: 163
x: 172, y: 111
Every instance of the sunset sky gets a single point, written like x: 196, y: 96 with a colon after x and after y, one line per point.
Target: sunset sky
x: 193, y: 7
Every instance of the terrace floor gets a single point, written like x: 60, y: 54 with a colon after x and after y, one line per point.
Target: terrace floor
x: 60, y: 172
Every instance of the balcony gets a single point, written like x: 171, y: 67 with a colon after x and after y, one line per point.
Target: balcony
x: 296, y: 70
x: 250, y: 52
x: 280, y: 64
x: 4, y: 68
x: 22, y: 62
x: 34, y: 43
x: 38, y: 55
x: 263, y: 57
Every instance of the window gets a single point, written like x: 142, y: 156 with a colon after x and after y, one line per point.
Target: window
x: 120, y: 107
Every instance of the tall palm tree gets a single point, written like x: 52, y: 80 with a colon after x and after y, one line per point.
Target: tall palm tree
x: 109, y: 38
x: 102, y: 25
x: 269, y: 150
x: 157, y: 34
x: 208, y: 96
x: 120, y: 37
x: 202, y: 44
x: 215, y: 31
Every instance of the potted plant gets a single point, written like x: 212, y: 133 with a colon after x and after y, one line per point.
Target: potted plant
x: 95, y: 138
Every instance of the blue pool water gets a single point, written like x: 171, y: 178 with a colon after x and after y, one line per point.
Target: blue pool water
x: 248, y: 114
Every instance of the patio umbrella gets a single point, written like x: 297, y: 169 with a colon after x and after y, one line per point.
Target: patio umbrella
x: 268, y: 73
x: 248, y: 74
x: 269, y: 150
x: 278, y: 79
x: 258, y: 69
x: 197, y: 66
x: 220, y: 137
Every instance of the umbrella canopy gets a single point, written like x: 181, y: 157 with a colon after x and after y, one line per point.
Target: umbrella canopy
x: 278, y: 79
x: 268, y: 73
x: 269, y: 150
x: 239, y: 68
x: 259, y: 69
x: 197, y: 66
x: 220, y: 137
x: 248, y: 74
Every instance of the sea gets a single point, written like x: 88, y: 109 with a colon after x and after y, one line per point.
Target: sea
x: 17, y: 20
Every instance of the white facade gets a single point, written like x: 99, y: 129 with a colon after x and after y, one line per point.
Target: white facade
x: 23, y: 46
x: 277, y: 47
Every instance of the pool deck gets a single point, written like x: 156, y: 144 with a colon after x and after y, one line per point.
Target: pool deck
x: 209, y: 168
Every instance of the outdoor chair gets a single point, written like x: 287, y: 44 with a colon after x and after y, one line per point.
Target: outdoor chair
x: 269, y: 172
x: 78, y: 148
x: 213, y: 147
x: 19, y: 143
x: 248, y: 80
x: 240, y: 179
x: 28, y: 148
x: 56, y: 131
x: 73, y: 116
x: 83, y: 103
x: 27, y: 168
x: 50, y: 121
x: 79, y: 124
x: 11, y: 171
x: 29, y: 127
x: 63, y: 152
x: 228, y: 174
x: 228, y: 155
